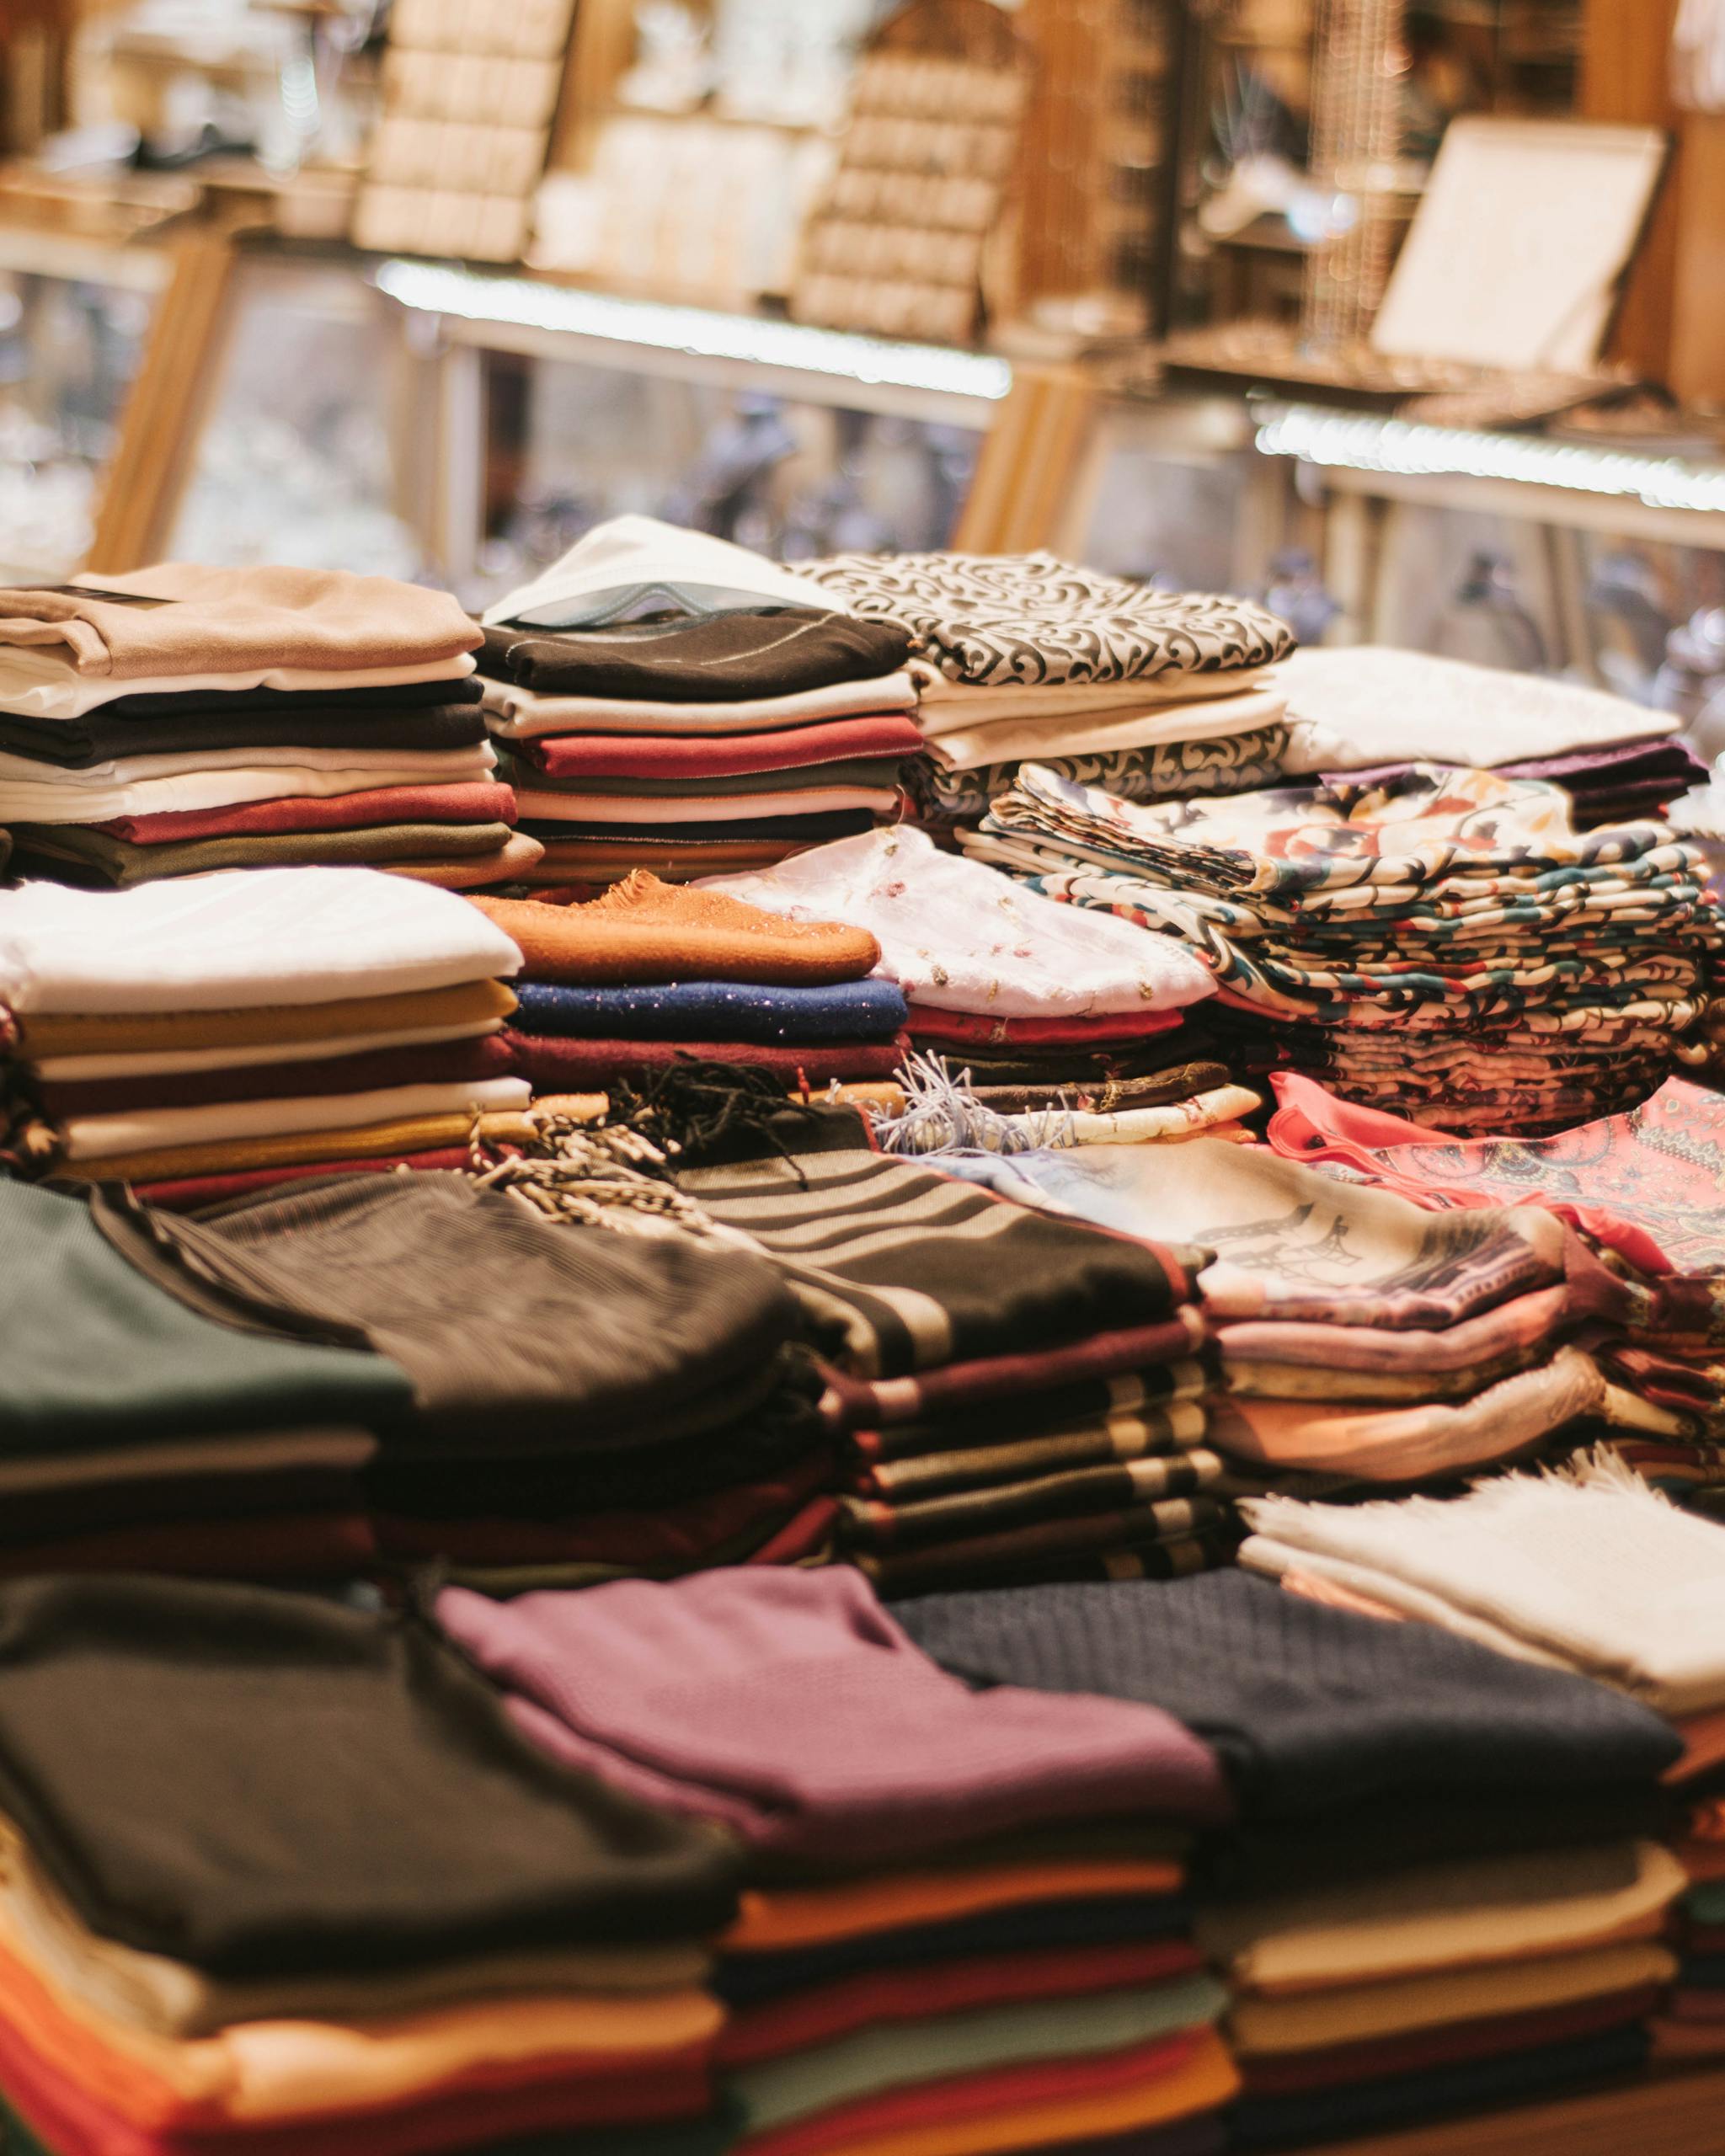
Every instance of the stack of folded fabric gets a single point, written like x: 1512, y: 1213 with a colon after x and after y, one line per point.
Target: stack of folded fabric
x: 1025, y: 1396
x: 207, y: 1037
x: 197, y: 719
x: 653, y: 975
x: 1148, y: 693
x: 374, y: 1917
x: 581, y: 1404
x: 1449, y: 946
x: 1043, y: 1005
x: 963, y: 1926
x: 1369, y: 714
x: 1361, y: 1337
x: 673, y: 702
x: 143, y: 1435
x: 1442, y: 1892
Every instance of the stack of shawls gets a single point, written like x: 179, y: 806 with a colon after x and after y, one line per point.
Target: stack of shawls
x: 216, y: 1034
x: 1361, y: 1337
x: 374, y: 1918
x: 1451, y: 947
x: 197, y: 719
x: 1025, y: 1396
x: 584, y: 1403
x: 652, y: 974
x: 1032, y: 999
x: 670, y: 702
x: 1148, y: 693
x: 965, y: 1914
x: 1439, y: 1892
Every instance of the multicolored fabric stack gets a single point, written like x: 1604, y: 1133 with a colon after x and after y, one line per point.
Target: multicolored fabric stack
x: 1449, y: 947
x: 1025, y: 1396
x: 1148, y: 693
x: 194, y: 719
x: 963, y: 1925
x: 652, y: 975
x: 1441, y: 1893
x: 208, y: 1037
x: 670, y: 702
x: 306, y: 1946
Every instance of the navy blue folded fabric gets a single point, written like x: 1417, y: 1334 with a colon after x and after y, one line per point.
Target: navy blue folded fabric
x: 714, y: 1011
x: 1415, y: 2099
x: 742, y: 1978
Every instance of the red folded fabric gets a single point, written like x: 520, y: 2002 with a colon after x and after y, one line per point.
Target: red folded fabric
x: 552, y: 1065
x: 435, y: 1063
x: 300, y: 1545
x: 804, y: 2019
x: 805, y: 1535
x: 679, y: 1536
x: 181, y: 1195
x: 469, y: 802
x: 968, y: 1026
x: 970, y: 2095
x: 1348, y: 2063
x: 724, y: 755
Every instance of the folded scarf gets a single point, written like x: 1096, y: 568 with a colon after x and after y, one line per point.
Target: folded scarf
x: 405, y: 1139
x: 86, y: 1046
x: 555, y: 1064
x: 710, y: 658
x: 1167, y: 1541
x: 767, y: 788
x: 1221, y: 735
x: 675, y: 757
x: 476, y: 803
x: 85, y: 1141
x: 846, y: 1011
x: 961, y: 1027
x: 820, y: 804
x: 433, y: 715
x: 42, y: 685
x: 519, y: 855
x: 643, y: 932
x: 518, y: 714
x: 268, y: 936
x: 88, y: 856
x: 814, y: 1726
x: 453, y: 1063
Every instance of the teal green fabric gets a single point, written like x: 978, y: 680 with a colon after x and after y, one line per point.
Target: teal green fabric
x: 96, y: 1355
x: 898, y: 2054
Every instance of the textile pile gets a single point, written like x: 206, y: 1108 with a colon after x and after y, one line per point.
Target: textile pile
x: 1440, y: 1892
x: 1023, y: 1397
x: 305, y: 1945
x: 1446, y: 946
x: 964, y: 1924
x: 1044, y: 1007
x: 669, y: 701
x: 193, y: 719
x: 654, y: 974
x: 209, y: 1037
x: 1022, y: 657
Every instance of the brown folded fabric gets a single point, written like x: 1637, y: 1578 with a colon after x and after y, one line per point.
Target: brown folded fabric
x: 1154, y: 1434
x: 432, y: 1063
x: 158, y: 1033
x: 299, y: 1545
x: 1046, y: 1547
x: 421, y: 1133
x: 643, y: 932
x: 190, y: 1192
x: 551, y: 1065
x: 998, y: 1507
x: 91, y: 857
x: 473, y: 801
x: 510, y: 864
x: 216, y: 621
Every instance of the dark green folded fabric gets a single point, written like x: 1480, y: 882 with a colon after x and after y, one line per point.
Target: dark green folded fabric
x: 73, y: 853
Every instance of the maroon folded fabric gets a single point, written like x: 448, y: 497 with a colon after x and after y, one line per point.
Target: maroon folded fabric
x: 552, y: 1065
x: 967, y: 1026
x: 183, y: 1193
x: 472, y: 801
x: 726, y: 755
x: 435, y: 1063
x: 304, y: 1545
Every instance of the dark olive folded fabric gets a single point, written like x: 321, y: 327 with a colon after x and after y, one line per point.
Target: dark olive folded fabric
x: 448, y: 717
x: 73, y: 853
x: 712, y: 658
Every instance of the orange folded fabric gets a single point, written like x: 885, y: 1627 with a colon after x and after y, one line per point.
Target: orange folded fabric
x: 644, y: 933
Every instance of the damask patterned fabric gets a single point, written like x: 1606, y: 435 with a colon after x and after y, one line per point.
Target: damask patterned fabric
x: 996, y: 620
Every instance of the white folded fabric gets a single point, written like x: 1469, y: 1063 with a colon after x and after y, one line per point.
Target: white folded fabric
x: 959, y: 937
x: 239, y: 940
x: 425, y: 763
x: 1369, y: 704
x: 628, y: 560
x: 151, y: 1063
x: 521, y: 715
x: 226, y: 789
x: 632, y: 811
x: 37, y: 686
x: 973, y: 747
x: 951, y: 703
x: 1587, y: 1564
x: 104, y: 1137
